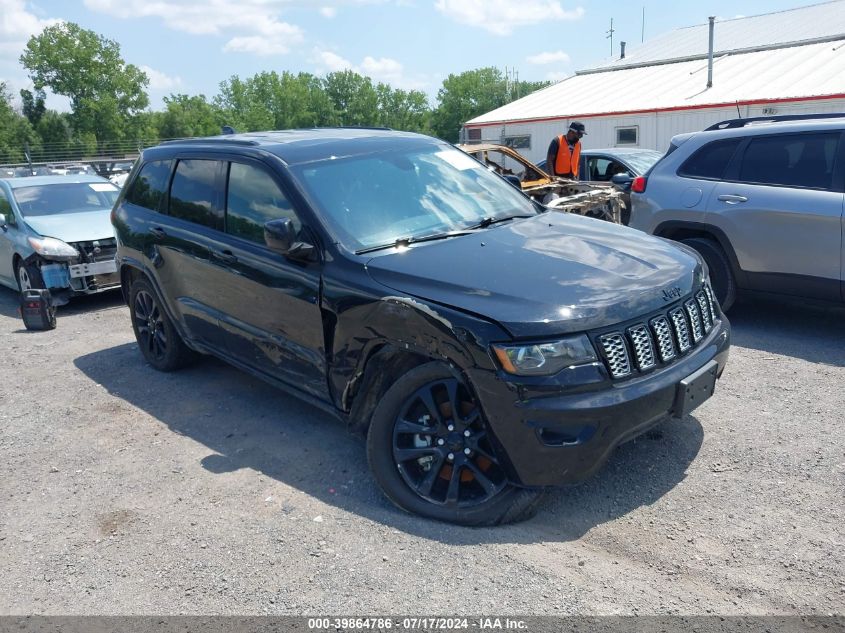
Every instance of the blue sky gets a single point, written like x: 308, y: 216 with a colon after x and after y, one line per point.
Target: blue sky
x: 189, y: 46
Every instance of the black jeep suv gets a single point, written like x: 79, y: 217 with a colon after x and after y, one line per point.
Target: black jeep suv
x: 488, y: 349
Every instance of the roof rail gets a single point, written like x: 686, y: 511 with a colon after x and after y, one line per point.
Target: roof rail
x: 362, y: 127
x: 210, y: 139
x: 735, y: 123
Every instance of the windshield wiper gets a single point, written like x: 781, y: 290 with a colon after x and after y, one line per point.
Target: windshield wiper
x: 406, y: 241
x: 489, y: 221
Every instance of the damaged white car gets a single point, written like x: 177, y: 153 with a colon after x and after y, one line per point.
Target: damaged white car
x: 593, y: 199
x: 55, y: 233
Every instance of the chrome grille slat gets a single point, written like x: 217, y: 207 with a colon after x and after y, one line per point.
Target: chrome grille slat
x: 617, y: 354
x: 642, y: 347
x: 706, y: 315
x: 663, y: 336
x: 695, y: 320
x: 711, y: 301
x: 681, y: 329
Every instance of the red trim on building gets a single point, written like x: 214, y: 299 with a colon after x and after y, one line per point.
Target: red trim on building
x: 708, y: 106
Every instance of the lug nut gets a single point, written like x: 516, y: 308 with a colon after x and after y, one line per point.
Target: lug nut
x: 441, y: 442
x: 451, y: 427
x: 467, y: 451
x: 467, y: 433
x: 450, y: 456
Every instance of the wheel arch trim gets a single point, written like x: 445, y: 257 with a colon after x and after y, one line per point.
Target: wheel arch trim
x: 703, y: 230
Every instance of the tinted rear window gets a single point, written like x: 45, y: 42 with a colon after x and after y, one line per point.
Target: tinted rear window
x: 793, y: 160
x: 711, y: 160
x: 193, y: 195
x: 150, y: 185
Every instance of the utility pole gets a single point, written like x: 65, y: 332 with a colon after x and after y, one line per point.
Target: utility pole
x: 642, y: 34
x: 610, y: 35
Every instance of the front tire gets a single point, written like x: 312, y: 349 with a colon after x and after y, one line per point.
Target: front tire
x: 28, y: 276
x: 158, y: 340
x: 432, y: 453
x: 721, y: 273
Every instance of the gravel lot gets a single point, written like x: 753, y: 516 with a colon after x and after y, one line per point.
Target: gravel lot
x: 128, y: 491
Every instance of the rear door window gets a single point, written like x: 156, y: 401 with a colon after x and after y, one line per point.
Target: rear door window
x: 710, y: 161
x: 194, y: 193
x: 150, y: 185
x: 791, y: 160
x: 254, y: 198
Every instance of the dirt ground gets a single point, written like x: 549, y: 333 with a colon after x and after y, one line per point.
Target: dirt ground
x: 128, y: 491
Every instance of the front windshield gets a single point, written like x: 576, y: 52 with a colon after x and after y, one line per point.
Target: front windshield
x: 65, y: 197
x: 642, y: 161
x: 376, y: 199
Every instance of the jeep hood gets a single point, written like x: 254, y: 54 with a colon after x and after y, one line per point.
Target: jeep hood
x: 544, y: 276
x: 73, y: 227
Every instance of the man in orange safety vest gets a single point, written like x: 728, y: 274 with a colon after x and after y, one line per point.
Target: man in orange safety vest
x: 565, y: 152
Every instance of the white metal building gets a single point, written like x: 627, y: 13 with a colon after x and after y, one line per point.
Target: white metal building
x: 788, y: 62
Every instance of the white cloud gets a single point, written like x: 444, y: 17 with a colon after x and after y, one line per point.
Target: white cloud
x: 501, y: 17
x: 383, y: 69
x: 557, y: 57
x: 332, y: 62
x: 160, y: 81
x: 17, y: 25
x: 253, y: 26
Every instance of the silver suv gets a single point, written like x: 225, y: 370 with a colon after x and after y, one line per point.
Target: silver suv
x: 760, y: 199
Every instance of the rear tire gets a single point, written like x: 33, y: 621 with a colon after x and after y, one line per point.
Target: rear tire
x: 158, y: 340
x: 432, y: 454
x: 721, y: 273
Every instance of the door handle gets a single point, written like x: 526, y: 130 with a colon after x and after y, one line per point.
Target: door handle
x: 158, y: 233
x: 224, y: 256
x: 732, y: 199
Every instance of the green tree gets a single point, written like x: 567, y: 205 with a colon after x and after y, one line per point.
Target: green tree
x: 269, y: 100
x: 15, y: 131
x: 187, y: 116
x: 104, y: 91
x: 353, y: 97
x: 472, y: 93
x: 33, y: 105
x: 403, y: 110
x: 241, y: 107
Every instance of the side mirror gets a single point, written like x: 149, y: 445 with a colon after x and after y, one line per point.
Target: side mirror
x: 280, y: 236
x: 3, y: 223
x: 623, y: 180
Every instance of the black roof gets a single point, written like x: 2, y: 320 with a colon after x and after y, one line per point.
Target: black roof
x: 297, y: 146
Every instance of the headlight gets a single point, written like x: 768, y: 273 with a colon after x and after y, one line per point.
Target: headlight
x: 52, y: 248
x: 544, y: 359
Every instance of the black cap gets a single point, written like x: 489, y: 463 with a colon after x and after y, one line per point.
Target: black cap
x: 577, y: 126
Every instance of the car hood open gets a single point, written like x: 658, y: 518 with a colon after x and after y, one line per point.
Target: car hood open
x: 73, y: 227
x: 547, y: 275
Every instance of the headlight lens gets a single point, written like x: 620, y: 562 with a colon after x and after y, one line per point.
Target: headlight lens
x: 544, y: 359
x: 51, y: 247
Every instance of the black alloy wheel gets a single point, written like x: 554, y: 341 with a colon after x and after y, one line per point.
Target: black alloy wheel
x: 149, y: 325
x: 432, y: 452
x: 442, y: 448
x: 158, y: 340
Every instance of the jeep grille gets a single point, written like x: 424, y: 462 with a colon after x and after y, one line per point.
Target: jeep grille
x: 665, y: 337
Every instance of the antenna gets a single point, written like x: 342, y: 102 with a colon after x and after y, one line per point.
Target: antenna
x: 610, y: 35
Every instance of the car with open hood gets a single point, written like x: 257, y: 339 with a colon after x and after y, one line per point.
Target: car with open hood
x: 55, y: 233
x: 486, y: 347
